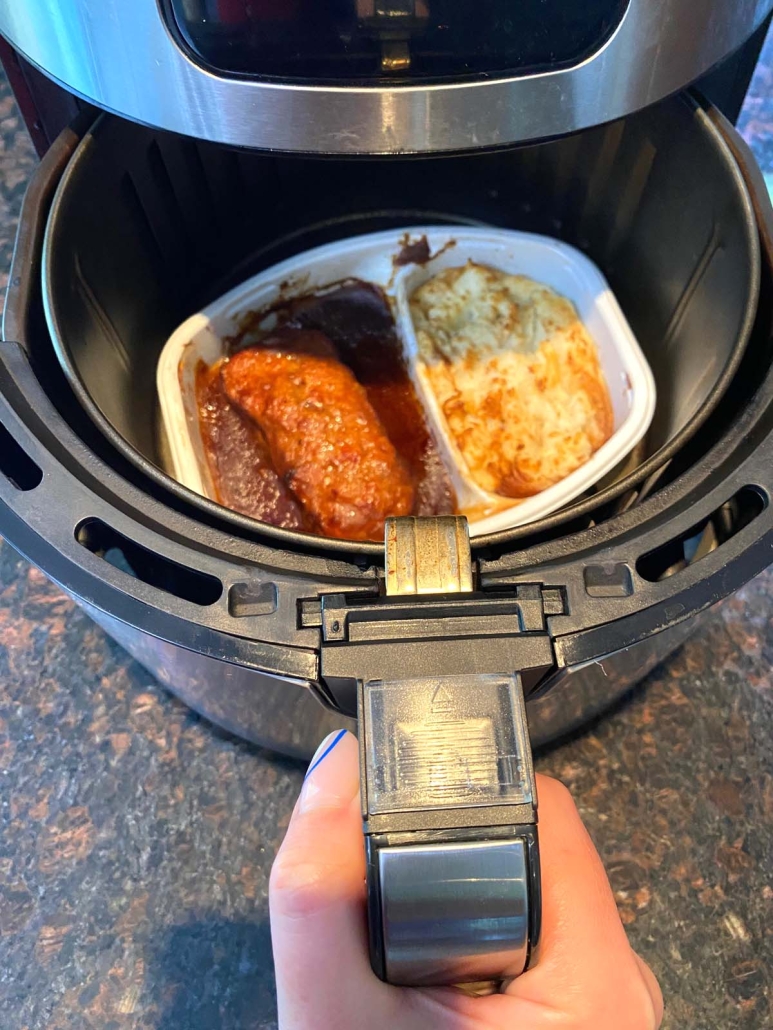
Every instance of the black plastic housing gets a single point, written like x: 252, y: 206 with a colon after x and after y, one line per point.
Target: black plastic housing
x: 299, y: 40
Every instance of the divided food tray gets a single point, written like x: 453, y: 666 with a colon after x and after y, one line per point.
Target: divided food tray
x: 373, y: 258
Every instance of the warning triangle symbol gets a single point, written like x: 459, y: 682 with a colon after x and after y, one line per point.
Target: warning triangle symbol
x: 441, y: 698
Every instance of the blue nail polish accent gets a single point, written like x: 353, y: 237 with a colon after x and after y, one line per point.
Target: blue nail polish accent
x: 339, y: 736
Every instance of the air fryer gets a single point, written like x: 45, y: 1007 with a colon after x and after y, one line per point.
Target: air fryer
x: 127, y: 229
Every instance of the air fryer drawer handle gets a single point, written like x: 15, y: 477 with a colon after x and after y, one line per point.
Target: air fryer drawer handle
x: 448, y: 798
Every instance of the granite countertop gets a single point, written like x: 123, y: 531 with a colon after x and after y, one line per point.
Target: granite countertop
x: 137, y: 839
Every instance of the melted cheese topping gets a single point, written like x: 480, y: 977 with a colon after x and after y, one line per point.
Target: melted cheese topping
x: 516, y: 375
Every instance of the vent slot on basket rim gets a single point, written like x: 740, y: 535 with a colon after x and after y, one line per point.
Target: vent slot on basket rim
x: 702, y: 539
x: 148, y: 566
x: 16, y: 465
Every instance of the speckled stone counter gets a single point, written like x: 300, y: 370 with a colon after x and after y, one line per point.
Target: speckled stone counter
x: 137, y: 840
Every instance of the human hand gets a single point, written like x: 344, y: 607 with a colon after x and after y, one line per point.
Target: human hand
x: 587, y: 977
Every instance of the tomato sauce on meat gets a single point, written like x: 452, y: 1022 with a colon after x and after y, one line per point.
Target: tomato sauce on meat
x: 324, y: 437
x: 255, y: 478
x: 238, y: 458
x: 357, y: 317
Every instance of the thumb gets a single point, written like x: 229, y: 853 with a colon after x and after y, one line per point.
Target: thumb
x: 316, y: 899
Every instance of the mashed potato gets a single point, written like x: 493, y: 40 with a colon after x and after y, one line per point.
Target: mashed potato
x: 516, y: 375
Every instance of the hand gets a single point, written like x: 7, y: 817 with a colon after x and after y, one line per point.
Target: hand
x: 587, y: 977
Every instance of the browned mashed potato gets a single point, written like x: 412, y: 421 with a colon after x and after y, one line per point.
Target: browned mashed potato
x: 516, y: 375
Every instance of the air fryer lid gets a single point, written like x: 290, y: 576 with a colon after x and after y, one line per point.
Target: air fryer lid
x: 656, y: 200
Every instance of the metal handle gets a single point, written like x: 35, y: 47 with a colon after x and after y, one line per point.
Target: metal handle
x: 449, y: 803
x: 455, y: 912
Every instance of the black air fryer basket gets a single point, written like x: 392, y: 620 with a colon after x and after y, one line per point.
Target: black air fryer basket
x: 267, y: 631
x: 656, y: 200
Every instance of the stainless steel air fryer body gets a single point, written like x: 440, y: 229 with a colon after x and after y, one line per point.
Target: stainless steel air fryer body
x: 376, y: 76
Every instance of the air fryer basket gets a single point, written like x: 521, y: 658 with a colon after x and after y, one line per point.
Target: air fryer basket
x: 147, y: 227
x: 235, y: 619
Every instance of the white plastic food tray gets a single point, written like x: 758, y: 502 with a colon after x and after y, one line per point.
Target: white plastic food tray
x: 371, y: 258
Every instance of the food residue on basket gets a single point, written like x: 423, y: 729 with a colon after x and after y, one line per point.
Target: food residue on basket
x: 317, y: 425
x: 412, y: 252
x: 416, y: 251
x: 515, y: 374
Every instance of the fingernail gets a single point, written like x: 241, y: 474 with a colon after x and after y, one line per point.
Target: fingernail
x: 324, y: 786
